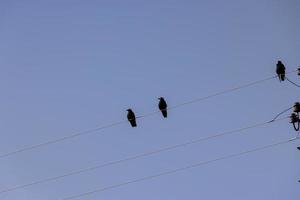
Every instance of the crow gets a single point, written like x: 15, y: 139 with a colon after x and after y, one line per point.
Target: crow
x: 131, y: 117
x: 280, y: 70
x: 162, y: 105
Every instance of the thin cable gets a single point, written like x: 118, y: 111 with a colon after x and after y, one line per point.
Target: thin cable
x: 224, y: 92
x: 281, y: 114
x: 135, y: 157
x: 180, y: 169
x: 50, y: 142
x: 61, y: 139
x: 292, y: 82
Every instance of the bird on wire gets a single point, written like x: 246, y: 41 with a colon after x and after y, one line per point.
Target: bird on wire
x: 280, y: 70
x: 162, y: 105
x: 131, y: 117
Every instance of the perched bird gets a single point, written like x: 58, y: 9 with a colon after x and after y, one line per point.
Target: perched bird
x: 131, y: 117
x: 280, y: 70
x: 162, y: 105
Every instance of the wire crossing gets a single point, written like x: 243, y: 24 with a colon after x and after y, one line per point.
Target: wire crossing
x: 143, y: 155
x: 86, y: 132
x: 180, y: 169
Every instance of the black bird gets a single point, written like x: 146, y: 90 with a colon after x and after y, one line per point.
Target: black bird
x: 298, y: 148
x: 280, y: 70
x: 131, y: 117
x: 162, y: 105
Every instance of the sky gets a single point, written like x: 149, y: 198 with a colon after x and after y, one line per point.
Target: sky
x: 68, y: 66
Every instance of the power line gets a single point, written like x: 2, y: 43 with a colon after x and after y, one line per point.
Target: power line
x: 180, y: 169
x: 82, y: 133
x: 61, y: 139
x: 292, y: 82
x: 225, y: 91
x: 168, y: 148
x: 281, y: 113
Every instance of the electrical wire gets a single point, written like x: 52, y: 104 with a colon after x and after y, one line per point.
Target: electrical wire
x: 50, y: 142
x: 135, y: 157
x: 292, y: 82
x: 281, y: 113
x: 180, y: 169
x: 61, y: 139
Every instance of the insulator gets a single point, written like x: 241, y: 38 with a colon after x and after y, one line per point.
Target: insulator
x: 297, y: 107
x: 294, y: 118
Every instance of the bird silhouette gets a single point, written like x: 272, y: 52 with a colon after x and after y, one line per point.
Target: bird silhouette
x: 162, y: 105
x: 131, y: 117
x: 280, y: 70
x: 298, y: 148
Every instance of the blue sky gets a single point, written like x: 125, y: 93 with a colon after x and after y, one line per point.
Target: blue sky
x: 67, y: 66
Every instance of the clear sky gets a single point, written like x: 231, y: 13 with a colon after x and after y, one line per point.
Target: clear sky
x: 71, y: 65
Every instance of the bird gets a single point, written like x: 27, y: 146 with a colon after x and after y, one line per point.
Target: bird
x: 162, y: 105
x: 280, y: 70
x: 298, y: 148
x: 131, y: 117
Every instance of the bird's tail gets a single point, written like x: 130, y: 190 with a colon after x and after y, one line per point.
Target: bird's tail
x: 164, y: 113
x: 282, y: 77
x: 133, y: 123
